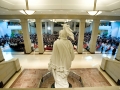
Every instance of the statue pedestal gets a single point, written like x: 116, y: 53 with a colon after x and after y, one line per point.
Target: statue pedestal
x: 48, y: 81
x: 53, y: 85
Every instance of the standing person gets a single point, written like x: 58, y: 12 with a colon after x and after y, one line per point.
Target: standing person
x: 113, y: 51
x: 102, y: 49
x: 62, y: 56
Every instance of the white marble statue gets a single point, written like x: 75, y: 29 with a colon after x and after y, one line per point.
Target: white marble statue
x: 62, y: 56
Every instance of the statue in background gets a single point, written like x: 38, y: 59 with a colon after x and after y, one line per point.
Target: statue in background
x: 62, y: 56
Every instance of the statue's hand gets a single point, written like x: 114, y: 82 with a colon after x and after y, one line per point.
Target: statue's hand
x: 63, y: 74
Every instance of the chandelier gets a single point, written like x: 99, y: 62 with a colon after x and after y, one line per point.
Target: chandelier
x: 27, y: 12
x: 94, y: 12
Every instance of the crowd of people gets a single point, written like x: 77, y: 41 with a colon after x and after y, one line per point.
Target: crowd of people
x: 103, y: 43
x: 16, y: 42
x: 3, y: 40
x: 108, y: 43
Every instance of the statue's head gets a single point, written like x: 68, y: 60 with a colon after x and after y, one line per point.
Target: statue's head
x: 62, y: 34
x: 66, y: 32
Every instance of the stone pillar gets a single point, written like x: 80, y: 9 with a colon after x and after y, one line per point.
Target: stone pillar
x: 118, y: 53
x: 29, y: 26
x: 26, y: 36
x: 81, y: 36
x: 1, y: 55
x: 52, y: 27
x: 39, y: 36
x: 45, y: 27
x: 74, y: 26
x: 92, y: 43
x: 69, y: 23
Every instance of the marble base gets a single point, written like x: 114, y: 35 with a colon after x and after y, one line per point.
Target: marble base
x: 1, y: 84
x: 53, y: 85
x: 74, y: 80
x: 27, y: 53
x: 117, y: 59
x: 92, y: 52
x: 79, y: 53
x: 118, y: 82
x: 2, y: 60
x: 40, y: 53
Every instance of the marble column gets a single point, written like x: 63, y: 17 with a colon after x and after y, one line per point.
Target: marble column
x: 69, y: 23
x: 26, y: 36
x: 45, y: 27
x: 1, y: 55
x: 39, y: 36
x: 92, y: 43
x: 74, y: 26
x: 81, y: 36
x: 118, y: 53
x: 52, y: 27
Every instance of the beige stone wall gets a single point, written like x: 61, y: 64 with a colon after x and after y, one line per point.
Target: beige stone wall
x: 1, y: 55
x: 112, y: 67
x: 8, y: 69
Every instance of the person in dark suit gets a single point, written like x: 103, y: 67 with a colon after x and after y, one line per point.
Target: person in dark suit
x: 102, y: 49
x: 113, y: 51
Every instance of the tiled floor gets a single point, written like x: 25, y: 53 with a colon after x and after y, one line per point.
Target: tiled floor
x: 40, y: 61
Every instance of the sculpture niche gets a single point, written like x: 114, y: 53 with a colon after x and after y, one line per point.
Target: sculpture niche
x: 62, y: 56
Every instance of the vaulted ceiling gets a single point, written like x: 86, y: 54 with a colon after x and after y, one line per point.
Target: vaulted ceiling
x: 67, y: 7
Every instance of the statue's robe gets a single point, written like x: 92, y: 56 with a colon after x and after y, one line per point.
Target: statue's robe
x: 60, y: 62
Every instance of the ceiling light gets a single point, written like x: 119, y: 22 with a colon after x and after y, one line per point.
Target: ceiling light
x: 94, y: 12
x: 99, y: 12
x: 49, y: 28
x: 27, y: 12
x: 112, y: 21
x: 6, y: 20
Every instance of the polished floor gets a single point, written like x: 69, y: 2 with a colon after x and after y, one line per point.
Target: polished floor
x: 40, y: 61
